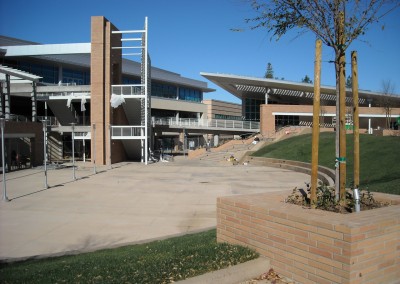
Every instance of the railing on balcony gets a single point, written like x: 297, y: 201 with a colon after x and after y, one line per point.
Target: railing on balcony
x: 127, y: 90
x: 51, y: 120
x: 127, y: 132
x: 207, y: 123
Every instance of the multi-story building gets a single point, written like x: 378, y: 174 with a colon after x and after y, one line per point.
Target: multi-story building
x: 279, y: 103
x: 95, y: 95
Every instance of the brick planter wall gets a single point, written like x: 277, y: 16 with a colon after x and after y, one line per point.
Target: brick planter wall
x: 315, y: 246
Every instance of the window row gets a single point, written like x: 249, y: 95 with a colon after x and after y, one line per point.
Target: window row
x: 227, y: 117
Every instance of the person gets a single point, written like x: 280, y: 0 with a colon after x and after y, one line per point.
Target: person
x: 256, y: 140
x: 13, y: 159
x: 18, y: 161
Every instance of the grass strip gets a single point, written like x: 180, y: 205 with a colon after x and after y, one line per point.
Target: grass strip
x: 379, y: 158
x: 163, y: 261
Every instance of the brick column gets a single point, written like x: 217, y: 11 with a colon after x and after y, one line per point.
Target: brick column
x: 106, y: 70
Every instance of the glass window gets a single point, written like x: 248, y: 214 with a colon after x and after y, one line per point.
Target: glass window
x: 284, y: 120
x: 227, y: 117
x: 163, y: 90
x: 193, y: 95
x: 75, y: 77
x: 252, y: 108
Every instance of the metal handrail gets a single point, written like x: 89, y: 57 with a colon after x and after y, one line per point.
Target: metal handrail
x: 126, y: 131
x: 207, y: 123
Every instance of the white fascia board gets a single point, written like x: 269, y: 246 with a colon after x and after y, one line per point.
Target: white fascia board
x: 331, y: 114
x: 47, y: 49
x: 301, y: 113
x: 75, y: 96
x: 379, y: 115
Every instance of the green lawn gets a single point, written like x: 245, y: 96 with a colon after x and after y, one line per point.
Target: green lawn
x: 157, y: 262
x: 379, y: 158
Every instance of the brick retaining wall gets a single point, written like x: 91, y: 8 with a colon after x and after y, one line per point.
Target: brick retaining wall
x: 315, y: 246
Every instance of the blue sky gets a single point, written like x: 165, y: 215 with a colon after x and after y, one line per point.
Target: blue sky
x: 189, y: 37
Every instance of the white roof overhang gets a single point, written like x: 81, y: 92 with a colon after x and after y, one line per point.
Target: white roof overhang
x: 47, y: 49
x: 239, y: 86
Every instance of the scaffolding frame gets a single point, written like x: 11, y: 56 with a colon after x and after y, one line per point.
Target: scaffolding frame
x: 144, y: 135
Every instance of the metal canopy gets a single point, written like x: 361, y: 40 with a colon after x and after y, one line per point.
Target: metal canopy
x: 241, y: 86
x: 12, y: 76
x: 17, y: 75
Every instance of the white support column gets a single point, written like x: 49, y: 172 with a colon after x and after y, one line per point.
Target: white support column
x: 266, y: 96
x: 60, y: 75
x: 1, y: 99
x: 34, y: 102
x: 7, y: 98
x: 216, y: 140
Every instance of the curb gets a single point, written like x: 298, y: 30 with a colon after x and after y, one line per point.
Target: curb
x: 234, y: 274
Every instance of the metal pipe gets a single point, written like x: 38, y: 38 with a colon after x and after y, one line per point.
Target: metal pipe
x: 46, y: 186
x: 94, y: 149
x: 356, y: 196
x: 73, y: 150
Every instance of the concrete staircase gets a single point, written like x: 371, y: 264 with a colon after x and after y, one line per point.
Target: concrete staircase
x: 240, y: 149
x: 234, y: 148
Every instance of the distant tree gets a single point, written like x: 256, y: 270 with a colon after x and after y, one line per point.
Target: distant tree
x: 270, y: 71
x: 387, y: 101
x: 337, y: 23
x: 349, y: 82
x: 306, y: 79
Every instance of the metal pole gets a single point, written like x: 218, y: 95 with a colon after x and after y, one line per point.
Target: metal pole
x: 2, y: 121
x: 356, y: 195
x: 73, y: 150
x: 369, y: 119
x: 183, y: 146
x: 83, y: 140
x: 46, y: 186
x: 109, y: 145
x: 315, y: 128
x: 94, y: 148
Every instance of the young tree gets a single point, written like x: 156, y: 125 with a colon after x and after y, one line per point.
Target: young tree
x: 328, y: 21
x: 387, y: 101
x: 306, y: 79
x: 270, y: 71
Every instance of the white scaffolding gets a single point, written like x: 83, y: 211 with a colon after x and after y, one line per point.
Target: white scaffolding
x: 140, y: 91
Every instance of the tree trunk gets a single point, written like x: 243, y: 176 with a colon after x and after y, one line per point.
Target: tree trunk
x: 342, y: 129
x: 340, y: 67
x: 356, y: 132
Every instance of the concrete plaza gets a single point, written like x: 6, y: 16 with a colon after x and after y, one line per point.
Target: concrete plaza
x: 130, y: 203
